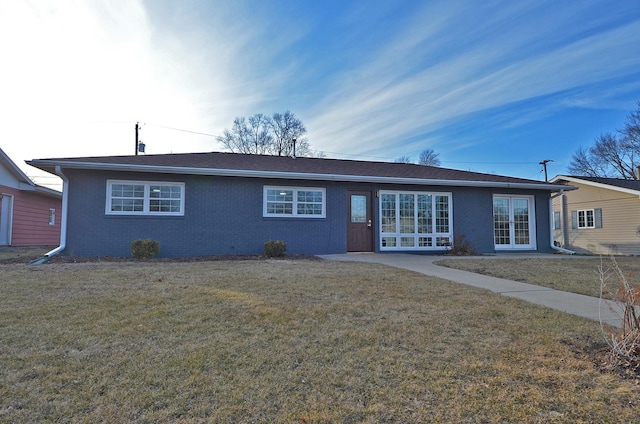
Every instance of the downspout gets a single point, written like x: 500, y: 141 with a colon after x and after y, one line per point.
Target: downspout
x: 63, y: 221
x: 551, y: 234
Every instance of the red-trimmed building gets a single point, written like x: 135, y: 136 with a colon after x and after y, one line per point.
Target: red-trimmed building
x: 29, y: 213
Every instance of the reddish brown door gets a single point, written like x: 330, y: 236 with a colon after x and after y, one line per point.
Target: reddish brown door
x: 360, y: 225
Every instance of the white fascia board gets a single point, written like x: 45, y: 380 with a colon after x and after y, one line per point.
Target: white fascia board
x: 13, y: 169
x: 294, y: 175
x: 595, y: 184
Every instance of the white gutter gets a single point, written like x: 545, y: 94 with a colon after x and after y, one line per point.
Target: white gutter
x: 63, y: 219
x: 551, y: 227
x: 293, y: 175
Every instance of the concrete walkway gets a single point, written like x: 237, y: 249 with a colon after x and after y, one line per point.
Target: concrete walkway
x: 571, y: 303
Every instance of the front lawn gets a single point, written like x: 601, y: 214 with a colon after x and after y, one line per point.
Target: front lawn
x: 574, y: 274
x: 289, y: 341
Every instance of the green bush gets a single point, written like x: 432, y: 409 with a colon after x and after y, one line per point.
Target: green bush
x: 275, y: 249
x: 146, y: 248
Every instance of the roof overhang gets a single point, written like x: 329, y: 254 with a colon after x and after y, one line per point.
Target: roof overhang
x: 595, y: 184
x: 14, y: 170
x: 49, y: 166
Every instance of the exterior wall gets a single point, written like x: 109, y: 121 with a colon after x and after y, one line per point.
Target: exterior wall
x: 223, y: 215
x: 30, y: 218
x: 620, y: 232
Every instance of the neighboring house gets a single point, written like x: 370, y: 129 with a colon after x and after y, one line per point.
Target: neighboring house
x: 601, y: 217
x: 29, y: 213
x: 226, y: 203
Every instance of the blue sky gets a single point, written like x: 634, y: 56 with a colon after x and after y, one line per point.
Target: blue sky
x: 492, y: 86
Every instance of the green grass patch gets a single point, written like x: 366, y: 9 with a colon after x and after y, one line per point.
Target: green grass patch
x: 288, y: 341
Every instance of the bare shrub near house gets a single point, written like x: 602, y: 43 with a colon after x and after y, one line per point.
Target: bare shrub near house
x: 624, y: 342
x: 461, y: 247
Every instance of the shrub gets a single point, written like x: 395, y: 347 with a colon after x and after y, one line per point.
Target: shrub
x: 624, y: 342
x: 461, y: 247
x: 145, y: 248
x: 275, y: 249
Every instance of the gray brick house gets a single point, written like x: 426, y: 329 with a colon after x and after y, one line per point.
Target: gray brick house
x: 225, y: 203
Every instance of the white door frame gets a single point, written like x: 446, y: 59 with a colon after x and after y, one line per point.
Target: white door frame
x: 6, y: 218
x: 531, y: 227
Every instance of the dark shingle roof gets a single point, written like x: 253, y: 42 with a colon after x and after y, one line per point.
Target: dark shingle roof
x: 188, y: 162
x: 616, y: 182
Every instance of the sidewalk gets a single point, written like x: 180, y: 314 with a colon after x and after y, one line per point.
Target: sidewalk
x: 571, y: 303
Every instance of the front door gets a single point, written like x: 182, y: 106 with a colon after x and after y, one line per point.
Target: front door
x: 360, y: 224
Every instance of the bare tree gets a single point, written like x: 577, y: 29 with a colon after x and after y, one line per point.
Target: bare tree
x: 429, y: 158
x: 276, y: 135
x: 403, y: 159
x: 259, y: 133
x: 237, y: 140
x: 287, y: 130
x: 612, y: 154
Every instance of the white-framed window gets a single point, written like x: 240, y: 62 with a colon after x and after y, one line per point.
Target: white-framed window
x: 144, y: 198
x: 52, y: 216
x: 415, y: 220
x: 586, y: 219
x: 298, y: 202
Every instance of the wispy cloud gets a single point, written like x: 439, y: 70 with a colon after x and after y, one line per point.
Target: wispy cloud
x: 371, y: 80
x: 386, y: 104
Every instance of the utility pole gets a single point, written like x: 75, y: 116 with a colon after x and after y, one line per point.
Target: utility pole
x: 544, y: 165
x: 137, y: 128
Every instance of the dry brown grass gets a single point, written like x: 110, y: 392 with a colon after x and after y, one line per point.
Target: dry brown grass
x: 22, y: 254
x: 572, y: 274
x: 288, y: 341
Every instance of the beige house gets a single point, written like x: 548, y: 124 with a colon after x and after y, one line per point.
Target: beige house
x: 602, y: 217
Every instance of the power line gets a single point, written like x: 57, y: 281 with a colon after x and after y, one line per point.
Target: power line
x: 181, y: 130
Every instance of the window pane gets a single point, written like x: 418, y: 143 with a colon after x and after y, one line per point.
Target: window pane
x: 309, y: 202
x: 280, y: 201
x: 388, y: 242
x: 443, y: 241
x: 358, y: 208
x: 280, y: 195
x: 590, y: 220
x: 521, y: 221
x: 388, y: 213
x: 442, y: 214
x: 407, y: 218
x: 309, y: 209
x: 501, y: 221
x: 280, y: 208
x: 425, y: 241
x: 425, y: 215
x: 164, y: 198
x: 407, y: 241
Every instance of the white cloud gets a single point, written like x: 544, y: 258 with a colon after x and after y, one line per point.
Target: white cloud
x: 387, y: 105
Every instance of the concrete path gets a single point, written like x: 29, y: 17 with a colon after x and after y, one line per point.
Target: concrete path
x: 571, y: 303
